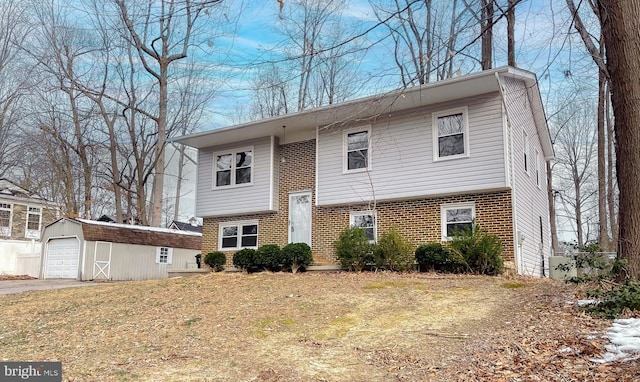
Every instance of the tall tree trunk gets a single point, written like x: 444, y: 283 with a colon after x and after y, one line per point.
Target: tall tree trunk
x: 620, y: 23
x: 511, y: 21
x: 487, y: 33
x: 176, y: 210
x: 603, y: 226
x: 578, y: 207
x: 611, y: 186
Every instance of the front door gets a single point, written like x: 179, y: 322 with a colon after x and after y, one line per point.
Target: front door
x: 300, y: 217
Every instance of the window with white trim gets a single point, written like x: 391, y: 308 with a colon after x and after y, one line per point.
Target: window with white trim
x: 233, y: 168
x: 365, y: 220
x: 34, y: 221
x: 456, y: 217
x: 164, y: 255
x: 238, y: 235
x: 537, y: 159
x: 357, y: 149
x: 5, y: 219
x: 450, y: 134
x: 525, y: 138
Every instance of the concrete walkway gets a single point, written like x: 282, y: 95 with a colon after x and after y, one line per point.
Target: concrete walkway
x: 19, y: 286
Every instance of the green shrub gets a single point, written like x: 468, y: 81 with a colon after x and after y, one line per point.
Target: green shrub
x: 613, y: 302
x: 394, y: 252
x: 296, y: 256
x: 244, y: 258
x: 479, y: 251
x: 353, y: 249
x: 269, y: 256
x: 215, y: 260
x: 435, y: 257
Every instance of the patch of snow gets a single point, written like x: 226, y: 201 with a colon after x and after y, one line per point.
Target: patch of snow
x: 624, y: 335
x: 566, y: 350
x: 588, y: 302
x: 140, y: 227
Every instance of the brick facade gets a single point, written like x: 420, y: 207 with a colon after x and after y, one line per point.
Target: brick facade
x: 418, y: 220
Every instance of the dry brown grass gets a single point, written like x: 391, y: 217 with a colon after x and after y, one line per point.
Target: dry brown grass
x: 284, y: 327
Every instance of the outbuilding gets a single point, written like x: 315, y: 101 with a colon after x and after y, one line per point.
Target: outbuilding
x: 92, y: 250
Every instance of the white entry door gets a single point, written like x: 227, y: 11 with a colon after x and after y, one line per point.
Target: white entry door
x: 300, y: 217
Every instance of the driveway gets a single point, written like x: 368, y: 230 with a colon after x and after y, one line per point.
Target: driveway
x: 19, y: 286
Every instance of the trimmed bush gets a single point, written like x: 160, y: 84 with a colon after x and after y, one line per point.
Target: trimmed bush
x: 394, y: 252
x: 296, y: 256
x: 269, y: 256
x: 435, y: 257
x: 215, y: 260
x: 478, y: 250
x: 353, y: 249
x: 244, y: 258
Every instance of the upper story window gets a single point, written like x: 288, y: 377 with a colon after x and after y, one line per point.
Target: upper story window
x: 5, y: 219
x: 238, y: 235
x: 233, y: 168
x: 537, y: 159
x: 450, y: 134
x: 164, y: 255
x: 525, y: 138
x: 365, y: 220
x: 456, y: 218
x: 357, y: 149
x: 34, y: 220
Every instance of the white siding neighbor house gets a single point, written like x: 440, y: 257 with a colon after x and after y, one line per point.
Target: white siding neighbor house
x: 424, y: 160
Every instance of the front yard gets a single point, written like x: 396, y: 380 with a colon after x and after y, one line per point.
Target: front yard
x: 311, y: 326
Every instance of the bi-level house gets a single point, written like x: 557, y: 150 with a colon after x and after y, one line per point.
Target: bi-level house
x: 22, y: 216
x: 425, y: 160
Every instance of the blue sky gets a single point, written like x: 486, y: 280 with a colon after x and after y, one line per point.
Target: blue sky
x: 541, y: 43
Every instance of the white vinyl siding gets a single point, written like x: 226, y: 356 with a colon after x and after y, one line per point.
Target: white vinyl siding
x: 402, y: 154
x: 257, y: 196
x: 530, y: 200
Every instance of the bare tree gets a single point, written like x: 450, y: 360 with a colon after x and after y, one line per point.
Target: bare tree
x: 620, y: 22
x: 13, y: 80
x: 575, y: 145
x: 161, y: 33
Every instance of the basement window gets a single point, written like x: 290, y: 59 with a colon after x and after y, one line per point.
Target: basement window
x: 456, y: 218
x: 238, y: 235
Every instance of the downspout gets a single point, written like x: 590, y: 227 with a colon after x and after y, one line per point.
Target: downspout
x: 510, y: 179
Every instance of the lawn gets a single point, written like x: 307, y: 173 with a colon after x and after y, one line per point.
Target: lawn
x: 310, y: 327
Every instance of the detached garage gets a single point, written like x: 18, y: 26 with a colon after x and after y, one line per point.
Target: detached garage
x: 91, y: 250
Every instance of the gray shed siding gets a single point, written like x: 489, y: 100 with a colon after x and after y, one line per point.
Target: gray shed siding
x: 530, y: 201
x: 260, y: 196
x: 402, y: 164
x: 136, y: 262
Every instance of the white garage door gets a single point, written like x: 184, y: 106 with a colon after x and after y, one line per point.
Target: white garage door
x: 62, y: 259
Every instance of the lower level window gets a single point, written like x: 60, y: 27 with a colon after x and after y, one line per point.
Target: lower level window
x: 456, y: 218
x: 365, y: 220
x: 238, y: 235
x: 164, y: 255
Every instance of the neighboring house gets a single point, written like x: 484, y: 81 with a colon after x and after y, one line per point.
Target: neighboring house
x: 191, y: 226
x: 426, y: 160
x: 22, y: 216
x: 91, y: 250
